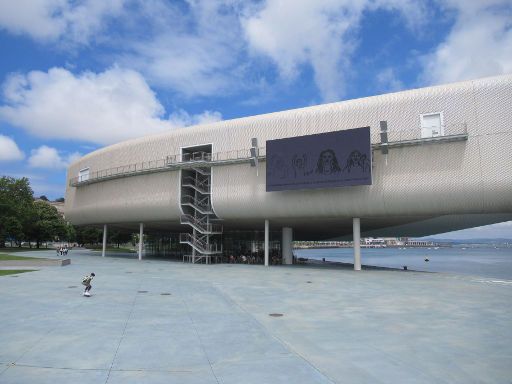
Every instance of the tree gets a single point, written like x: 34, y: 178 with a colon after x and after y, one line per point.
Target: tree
x: 47, y: 223
x: 16, y: 208
x: 118, y: 237
x: 70, y: 233
x: 13, y: 230
x: 88, y: 235
x: 60, y: 200
x: 43, y: 197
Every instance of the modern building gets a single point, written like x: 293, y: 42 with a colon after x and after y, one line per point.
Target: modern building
x: 439, y: 159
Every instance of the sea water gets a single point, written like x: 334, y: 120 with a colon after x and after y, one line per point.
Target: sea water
x: 484, y: 262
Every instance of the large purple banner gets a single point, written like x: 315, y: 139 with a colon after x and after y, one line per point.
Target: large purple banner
x: 325, y: 160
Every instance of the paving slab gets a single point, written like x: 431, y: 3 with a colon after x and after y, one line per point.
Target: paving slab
x: 156, y: 321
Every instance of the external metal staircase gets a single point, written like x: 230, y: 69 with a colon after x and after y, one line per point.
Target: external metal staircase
x: 201, y: 225
x: 197, y: 209
x: 202, y: 205
x: 200, y: 184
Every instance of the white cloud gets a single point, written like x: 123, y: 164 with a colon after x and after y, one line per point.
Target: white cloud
x: 192, y: 66
x: 388, y: 81
x: 182, y: 118
x: 321, y: 34
x: 48, y: 157
x: 99, y: 108
x: 194, y: 52
x: 479, y: 44
x: 9, y: 150
x: 49, y: 20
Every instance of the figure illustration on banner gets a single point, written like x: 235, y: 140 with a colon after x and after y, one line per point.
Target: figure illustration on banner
x: 300, y: 165
x: 357, y: 160
x: 327, y: 163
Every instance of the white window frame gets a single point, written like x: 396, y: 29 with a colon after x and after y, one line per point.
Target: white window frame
x: 441, y: 128
x: 82, y: 175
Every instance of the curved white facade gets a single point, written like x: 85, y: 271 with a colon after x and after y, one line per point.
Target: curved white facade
x: 421, y: 187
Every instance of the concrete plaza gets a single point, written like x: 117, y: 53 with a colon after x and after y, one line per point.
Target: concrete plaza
x: 156, y: 321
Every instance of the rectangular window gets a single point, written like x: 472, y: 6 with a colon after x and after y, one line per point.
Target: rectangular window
x: 432, y: 124
x: 83, y: 175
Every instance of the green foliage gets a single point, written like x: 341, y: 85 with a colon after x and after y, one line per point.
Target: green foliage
x: 118, y: 238
x: 70, y: 233
x: 47, y: 224
x: 15, y: 271
x: 23, y: 219
x: 16, y: 208
x: 88, y: 235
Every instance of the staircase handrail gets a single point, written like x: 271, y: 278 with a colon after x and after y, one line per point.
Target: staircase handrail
x: 196, y: 203
x: 202, y: 245
x: 200, y: 184
x: 210, y: 228
x: 202, y: 170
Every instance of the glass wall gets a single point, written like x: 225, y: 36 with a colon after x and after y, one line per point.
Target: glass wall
x: 247, y: 247
x: 165, y: 246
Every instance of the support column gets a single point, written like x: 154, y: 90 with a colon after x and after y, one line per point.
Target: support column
x: 287, y: 245
x: 194, y: 234
x: 104, y: 240
x: 266, y: 242
x: 356, y: 226
x: 141, y: 239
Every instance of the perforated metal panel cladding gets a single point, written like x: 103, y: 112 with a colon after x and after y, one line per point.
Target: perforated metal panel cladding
x: 472, y: 176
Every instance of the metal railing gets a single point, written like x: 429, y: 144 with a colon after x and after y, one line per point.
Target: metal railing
x: 202, y: 186
x: 202, y: 227
x: 202, y: 170
x: 199, y: 244
x: 201, y: 205
x: 185, y: 160
x: 418, y: 135
x: 121, y: 171
x: 450, y: 132
x: 192, y: 157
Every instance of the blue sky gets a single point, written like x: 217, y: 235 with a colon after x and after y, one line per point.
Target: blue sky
x: 79, y: 75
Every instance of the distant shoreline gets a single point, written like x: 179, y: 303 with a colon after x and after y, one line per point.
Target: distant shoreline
x: 320, y: 263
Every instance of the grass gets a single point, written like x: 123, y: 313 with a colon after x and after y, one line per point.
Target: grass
x: 3, y: 256
x: 15, y: 271
x: 23, y: 249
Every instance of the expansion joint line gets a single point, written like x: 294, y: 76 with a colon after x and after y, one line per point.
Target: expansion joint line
x: 6, y: 367
x: 124, y: 331
x: 199, y: 337
x: 15, y: 362
x: 279, y: 340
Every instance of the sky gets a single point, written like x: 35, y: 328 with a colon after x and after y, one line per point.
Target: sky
x: 77, y: 75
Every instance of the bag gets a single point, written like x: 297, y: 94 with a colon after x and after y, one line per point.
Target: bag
x: 85, y: 280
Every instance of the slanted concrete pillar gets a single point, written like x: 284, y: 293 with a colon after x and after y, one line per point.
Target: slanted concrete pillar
x: 266, y: 242
x: 104, y: 240
x: 356, y: 226
x: 287, y: 245
x: 141, y: 239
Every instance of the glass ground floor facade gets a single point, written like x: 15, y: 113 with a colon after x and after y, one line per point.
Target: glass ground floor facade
x: 237, y: 247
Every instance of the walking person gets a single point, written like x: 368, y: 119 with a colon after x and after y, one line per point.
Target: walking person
x: 87, y: 282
